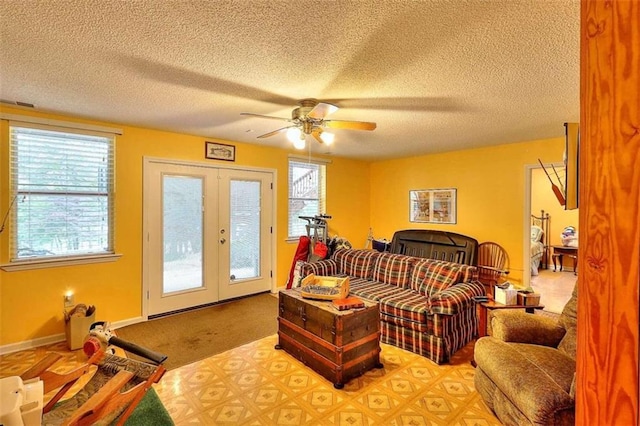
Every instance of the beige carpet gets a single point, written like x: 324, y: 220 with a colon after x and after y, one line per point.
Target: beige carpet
x: 257, y: 385
x: 555, y: 288
x: 194, y: 335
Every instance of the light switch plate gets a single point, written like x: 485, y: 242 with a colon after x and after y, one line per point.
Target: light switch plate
x: 68, y: 300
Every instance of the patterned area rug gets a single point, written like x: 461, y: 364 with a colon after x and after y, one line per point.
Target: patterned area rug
x: 257, y: 385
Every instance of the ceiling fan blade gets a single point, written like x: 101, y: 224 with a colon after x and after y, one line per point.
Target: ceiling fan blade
x: 316, y: 134
x: 354, y: 125
x: 321, y: 110
x: 265, y: 116
x: 275, y: 132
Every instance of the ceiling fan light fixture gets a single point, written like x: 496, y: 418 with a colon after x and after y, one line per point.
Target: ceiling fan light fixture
x: 294, y: 134
x: 299, y: 143
x: 327, y: 138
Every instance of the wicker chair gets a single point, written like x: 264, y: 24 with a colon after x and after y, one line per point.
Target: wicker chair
x: 493, y: 264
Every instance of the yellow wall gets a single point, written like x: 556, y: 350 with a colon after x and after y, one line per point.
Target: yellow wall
x: 490, y: 192
x: 490, y: 197
x: 31, y: 303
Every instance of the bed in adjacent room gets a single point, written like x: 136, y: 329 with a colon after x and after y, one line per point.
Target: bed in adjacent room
x: 539, y: 241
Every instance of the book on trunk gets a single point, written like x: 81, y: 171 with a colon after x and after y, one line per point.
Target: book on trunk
x: 348, y: 303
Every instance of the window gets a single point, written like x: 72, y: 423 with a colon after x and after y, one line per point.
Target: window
x: 62, y: 190
x: 307, y: 193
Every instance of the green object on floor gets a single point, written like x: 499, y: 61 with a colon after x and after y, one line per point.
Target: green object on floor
x: 149, y: 412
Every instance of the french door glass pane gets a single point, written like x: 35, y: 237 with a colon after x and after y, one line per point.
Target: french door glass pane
x: 182, y: 215
x: 245, y: 229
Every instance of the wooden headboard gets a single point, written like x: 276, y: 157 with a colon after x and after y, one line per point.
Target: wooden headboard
x: 433, y: 244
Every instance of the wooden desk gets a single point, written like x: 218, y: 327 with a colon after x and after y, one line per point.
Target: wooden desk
x: 482, y: 309
x: 560, y: 251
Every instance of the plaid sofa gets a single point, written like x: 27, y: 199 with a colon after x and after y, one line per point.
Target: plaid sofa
x: 426, y: 305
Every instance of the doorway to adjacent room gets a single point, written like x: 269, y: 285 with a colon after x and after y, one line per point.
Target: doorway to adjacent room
x: 555, y: 287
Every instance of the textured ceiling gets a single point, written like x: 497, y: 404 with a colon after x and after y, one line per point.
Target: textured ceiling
x: 434, y: 75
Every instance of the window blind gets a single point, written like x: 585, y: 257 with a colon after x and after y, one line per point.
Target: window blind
x: 307, y: 194
x: 63, y: 186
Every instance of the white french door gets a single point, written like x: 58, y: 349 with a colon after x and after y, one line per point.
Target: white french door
x: 246, y: 219
x: 208, y: 234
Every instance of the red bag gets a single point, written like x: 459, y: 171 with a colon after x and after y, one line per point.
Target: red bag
x: 320, y: 251
x: 302, y: 253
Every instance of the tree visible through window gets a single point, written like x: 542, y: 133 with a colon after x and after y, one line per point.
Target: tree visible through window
x: 306, y: 194
x: 62, y: 184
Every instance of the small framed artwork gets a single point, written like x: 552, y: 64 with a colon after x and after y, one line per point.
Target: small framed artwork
x: 432, y: 205
x: 219, y: 151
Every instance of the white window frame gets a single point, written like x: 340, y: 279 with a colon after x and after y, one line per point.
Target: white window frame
x: 39, y: 262
x: 321, y: 190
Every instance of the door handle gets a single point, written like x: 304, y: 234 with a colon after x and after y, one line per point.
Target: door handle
x: 222, y: 241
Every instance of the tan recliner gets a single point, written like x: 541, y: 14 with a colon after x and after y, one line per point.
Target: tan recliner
x: 526, y: 370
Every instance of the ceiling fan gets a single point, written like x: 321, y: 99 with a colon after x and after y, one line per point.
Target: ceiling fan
x: 309, y: 119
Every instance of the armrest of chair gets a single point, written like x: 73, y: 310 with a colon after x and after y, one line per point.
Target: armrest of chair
x: 455, y: 298
x: 322, y: 268
x: 41, y: 366
x: 493, y: 269
x: 519, y: 327
x: 52, y: 380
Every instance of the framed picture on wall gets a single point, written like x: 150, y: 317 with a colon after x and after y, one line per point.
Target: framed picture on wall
x: 432, y: 205
x: 220, y: 151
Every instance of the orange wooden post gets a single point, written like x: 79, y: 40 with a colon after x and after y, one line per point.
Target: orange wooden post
x: 609, y: 190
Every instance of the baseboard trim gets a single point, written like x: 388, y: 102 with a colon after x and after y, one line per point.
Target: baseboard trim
x: 30, y: 344
x: 119, y: 324
x: 49, y: 340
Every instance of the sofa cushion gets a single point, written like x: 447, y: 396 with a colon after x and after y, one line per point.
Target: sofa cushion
x: 430, y: 346
x: 468, y: 273
x: 356, y: 263
x: 431, y: 277
x: 322, y: 268
x: 420, y: 327
x: 370, y: 289
x: 456, y: 329
x: 455, y: 299
x: 394, y: 269
x: 406, y: 304
x: 418, y: 273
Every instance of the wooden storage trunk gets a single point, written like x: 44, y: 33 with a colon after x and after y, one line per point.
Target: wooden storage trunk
x: 339, y: 345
